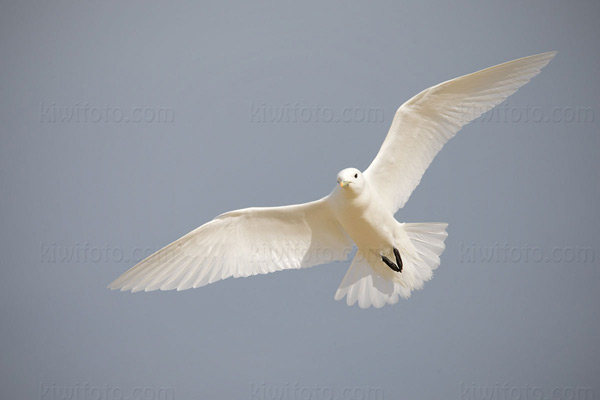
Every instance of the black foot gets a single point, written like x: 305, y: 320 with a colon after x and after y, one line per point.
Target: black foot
x: 398, y: 259
x: 397, y: 267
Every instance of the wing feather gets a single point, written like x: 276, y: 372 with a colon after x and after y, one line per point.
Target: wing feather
x: 423, y: 124
x: 243, y: 243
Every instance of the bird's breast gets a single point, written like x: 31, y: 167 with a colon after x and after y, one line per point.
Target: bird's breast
x: 368, y: 224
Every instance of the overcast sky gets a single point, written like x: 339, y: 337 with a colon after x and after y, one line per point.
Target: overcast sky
x: 125, y: 125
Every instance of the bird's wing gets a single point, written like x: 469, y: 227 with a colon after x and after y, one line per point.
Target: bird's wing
x: 423, y: 124
x: 242, y: 243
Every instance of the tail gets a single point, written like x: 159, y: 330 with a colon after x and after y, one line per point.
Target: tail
x: 363, y: 284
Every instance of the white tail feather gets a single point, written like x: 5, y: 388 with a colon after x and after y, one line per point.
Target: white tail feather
x: 361, y: 283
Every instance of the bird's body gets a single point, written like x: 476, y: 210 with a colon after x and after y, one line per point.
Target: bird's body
x: 362, y: 217
x: 392, y: 258
x: 372, y: 228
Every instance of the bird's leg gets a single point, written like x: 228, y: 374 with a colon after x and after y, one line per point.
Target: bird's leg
x: 390, y: 263
x: 398, y: 259
x: 397, y: 267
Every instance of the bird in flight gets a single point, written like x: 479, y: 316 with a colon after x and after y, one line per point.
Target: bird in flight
x: 392, y: 258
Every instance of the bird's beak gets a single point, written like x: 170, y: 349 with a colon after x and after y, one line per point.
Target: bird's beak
x: 344, y: 183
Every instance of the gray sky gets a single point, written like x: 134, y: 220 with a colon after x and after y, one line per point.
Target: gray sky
x: 126, y: 124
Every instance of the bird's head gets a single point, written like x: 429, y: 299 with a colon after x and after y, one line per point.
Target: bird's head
x: 351, y: 179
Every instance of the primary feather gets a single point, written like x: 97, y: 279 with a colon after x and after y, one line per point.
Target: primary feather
x: 243, y: 243
x: 423, y: 124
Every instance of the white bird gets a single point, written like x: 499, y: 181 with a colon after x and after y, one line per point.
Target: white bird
x: 392, y: 258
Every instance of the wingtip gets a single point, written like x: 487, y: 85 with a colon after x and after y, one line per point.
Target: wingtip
x: 550, y: 54
x: 546, y: 57
x: 540, y: 58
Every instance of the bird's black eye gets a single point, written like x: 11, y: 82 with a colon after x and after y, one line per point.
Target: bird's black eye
x: 355, y: 176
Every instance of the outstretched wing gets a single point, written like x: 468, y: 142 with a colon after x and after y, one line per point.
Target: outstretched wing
x: 424, y: 123
x: 242, y: 243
